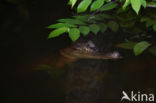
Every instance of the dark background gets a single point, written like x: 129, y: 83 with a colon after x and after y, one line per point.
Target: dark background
x: 24, y: 40
x: 24, y: 43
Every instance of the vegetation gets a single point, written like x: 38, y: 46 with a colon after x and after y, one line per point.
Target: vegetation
x: 137, y: 18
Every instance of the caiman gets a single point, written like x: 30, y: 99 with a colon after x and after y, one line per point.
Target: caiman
x: 86, y: 50
x: 85, y: 78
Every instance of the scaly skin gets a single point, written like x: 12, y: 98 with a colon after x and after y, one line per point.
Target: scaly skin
x: 86, y: 50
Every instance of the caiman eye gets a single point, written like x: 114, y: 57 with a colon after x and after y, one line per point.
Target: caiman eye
x: 90, y: 44
x: 116, y: 55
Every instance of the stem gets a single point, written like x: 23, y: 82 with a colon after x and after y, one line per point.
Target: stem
x: 151, y: 6
x: 98, y: 10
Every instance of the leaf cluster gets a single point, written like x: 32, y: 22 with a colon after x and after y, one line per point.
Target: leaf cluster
x: 94, y: 16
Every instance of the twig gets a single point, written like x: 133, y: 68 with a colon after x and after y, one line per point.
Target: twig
x: 151, y: 6
x: 98, y: 10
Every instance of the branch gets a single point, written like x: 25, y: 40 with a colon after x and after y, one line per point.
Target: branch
x: 98, y: 10
x: 151, y: 6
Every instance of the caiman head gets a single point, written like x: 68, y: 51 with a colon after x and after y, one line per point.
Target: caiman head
x: 88, y: 50
x: 87, y: 47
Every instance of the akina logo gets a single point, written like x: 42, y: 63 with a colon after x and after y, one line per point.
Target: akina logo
x: 140, y: 97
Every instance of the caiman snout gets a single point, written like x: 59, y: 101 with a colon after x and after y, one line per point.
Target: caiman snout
x: 88, y: 50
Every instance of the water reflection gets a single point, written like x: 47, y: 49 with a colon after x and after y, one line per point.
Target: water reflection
x: 83, y: 81
x: 92, y: 81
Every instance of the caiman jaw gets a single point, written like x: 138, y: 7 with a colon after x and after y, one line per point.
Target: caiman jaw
x: 83, y: 54
x: 88, y: 50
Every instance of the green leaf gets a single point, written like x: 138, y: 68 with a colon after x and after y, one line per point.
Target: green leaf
x: 127, y: 24
x: 103, y: 27
x: 127, y: 2
x: 74, y: 34
x: 150, y: 23
x: 143, y: 19
x: 102, y: 17
x: 109, y: 7
x: 127, y: 45
x: 59, y: 25
x: 113, y: 26
x: 154, y: 27
x: 96, y: 5
x: 153, y: 50
x: 153, y: 15
x: 151, y: 3
x: 136, y: 5
x: 71, y: 21
x: 143, y: 2
x: 82, y: 17
x: 94, y: 28
x: 108, y: 0
x: 82, y: 7
x: 72, y: 2
x: 140, y: 47
x: 58, y: 32
x: 84, y: 30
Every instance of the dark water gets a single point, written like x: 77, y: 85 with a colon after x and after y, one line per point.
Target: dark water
x: 28, y: 72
